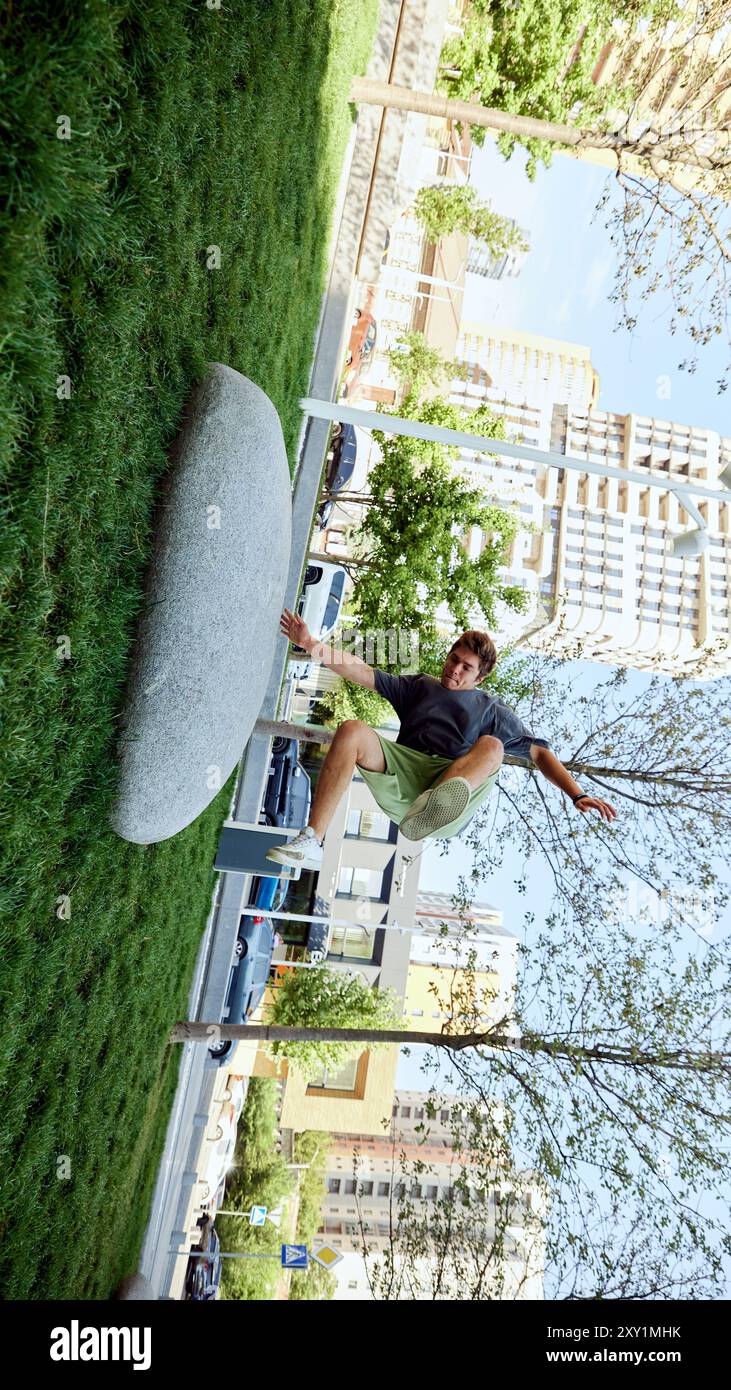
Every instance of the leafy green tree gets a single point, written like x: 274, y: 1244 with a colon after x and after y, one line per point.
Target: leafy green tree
x: 311, y: 1147
x: 516, y: 58
x: 420, y: 366
x: 444, y: 208
x: 318, y: 996
x: 347, y: 700
x: 409, y: 555
x: 258, y: 1175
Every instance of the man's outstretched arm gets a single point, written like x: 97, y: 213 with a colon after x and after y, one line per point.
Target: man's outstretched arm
x: 555, y: 772
x: 344, y: 664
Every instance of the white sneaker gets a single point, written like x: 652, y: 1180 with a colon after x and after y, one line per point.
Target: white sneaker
x: 303, y: 852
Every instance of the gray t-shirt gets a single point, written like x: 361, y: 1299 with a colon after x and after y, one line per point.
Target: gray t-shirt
x: 448, y: 722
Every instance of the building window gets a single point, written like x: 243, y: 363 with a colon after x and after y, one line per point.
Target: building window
x: 384, y: 1189
x: 419, y: 1113
x: 354, y: 942
x: 371, y: 825
x: 432, y: 1193
x: 337, y: 1079
x: 416, y: 1190
x: 366, y: 1189
x: 405, y: 1112
x: 358, y: 882
x: 444, y: 1116
x: 333, y: 1185
x: 350, y: 1187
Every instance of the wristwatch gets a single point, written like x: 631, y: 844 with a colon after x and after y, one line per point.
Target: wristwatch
x: 579, y: 796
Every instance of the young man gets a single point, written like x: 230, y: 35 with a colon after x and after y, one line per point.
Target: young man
x: 446, y: 759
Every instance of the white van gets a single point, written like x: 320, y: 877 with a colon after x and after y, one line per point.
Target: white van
x: 321, y: 603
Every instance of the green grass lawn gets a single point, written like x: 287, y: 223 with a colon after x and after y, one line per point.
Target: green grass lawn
x: 190, y: 128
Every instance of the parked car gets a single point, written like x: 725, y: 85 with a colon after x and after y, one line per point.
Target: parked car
x: 203, y: 1275
x: 208, y: 1206
x: 227, y: 1121
x: 238, y: 1096
x: 288, y: 794
x: 253, y: 958
x: 320, y: 604
x: 340, y: 467
x: 322, y: 598
x: 227, y: 1084
x: 269, y: 893
x: 361, y: 349
x: 217, y: 1163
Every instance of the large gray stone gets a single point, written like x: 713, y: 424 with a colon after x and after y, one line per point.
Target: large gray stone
x: 215, y: 589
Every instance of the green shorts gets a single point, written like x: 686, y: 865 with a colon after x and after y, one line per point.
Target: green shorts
x: 408, y: 774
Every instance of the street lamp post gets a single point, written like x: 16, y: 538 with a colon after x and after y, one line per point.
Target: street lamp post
x: 687, y: 543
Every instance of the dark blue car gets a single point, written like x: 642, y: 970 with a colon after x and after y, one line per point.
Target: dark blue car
x: 289, y: 790
x: 340, y: 468
x: 249, y: 976
x: 203, y: 1275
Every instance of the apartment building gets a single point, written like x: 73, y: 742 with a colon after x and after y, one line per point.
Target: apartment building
x: 391, y: 142
x: 368, y: 1176
x: 597, y: 563
x: 524, y: 367
x: 476, y: 938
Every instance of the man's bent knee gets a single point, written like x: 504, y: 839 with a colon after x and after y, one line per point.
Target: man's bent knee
x: 488, y: 746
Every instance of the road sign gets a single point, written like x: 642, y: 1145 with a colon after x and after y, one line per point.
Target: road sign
x: 275, y: 1216
x: 257, y: 1216
x: 326, y: 1256
x: 294, y: 1257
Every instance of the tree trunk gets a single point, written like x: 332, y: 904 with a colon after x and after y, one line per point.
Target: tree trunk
x: 194, y: 1031
x: 471, y: 113
x: 314, y: 733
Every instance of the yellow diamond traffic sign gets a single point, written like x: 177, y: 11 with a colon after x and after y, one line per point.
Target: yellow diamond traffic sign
x: 326, y: 1256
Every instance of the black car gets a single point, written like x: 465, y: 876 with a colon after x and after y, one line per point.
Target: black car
x: 289, y: 791
x: 340, y: 469
x: 203, y: 1275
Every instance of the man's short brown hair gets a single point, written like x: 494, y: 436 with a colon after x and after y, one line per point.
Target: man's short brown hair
x: 483, y: 647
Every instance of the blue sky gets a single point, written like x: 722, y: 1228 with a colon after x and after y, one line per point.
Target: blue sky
x: 562, y: 292
x: 563, y: 288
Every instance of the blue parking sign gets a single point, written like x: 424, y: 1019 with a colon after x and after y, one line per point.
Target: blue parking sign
x: 294, y: 1257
